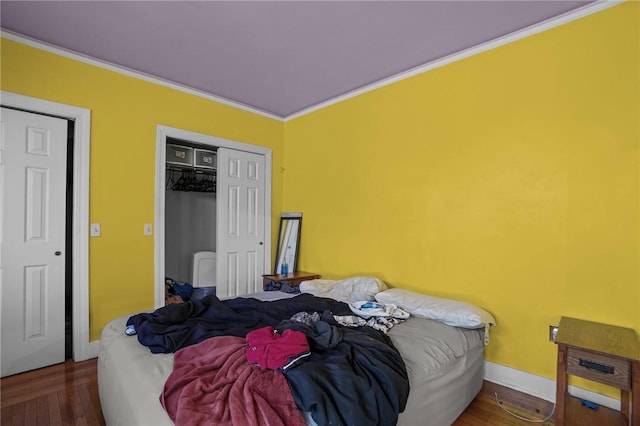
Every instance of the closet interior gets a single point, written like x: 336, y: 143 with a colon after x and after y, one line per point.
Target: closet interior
x: 190, y: 216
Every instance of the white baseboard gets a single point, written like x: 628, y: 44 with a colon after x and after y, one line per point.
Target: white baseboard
x: 90, y: 350
x: 540, y: 387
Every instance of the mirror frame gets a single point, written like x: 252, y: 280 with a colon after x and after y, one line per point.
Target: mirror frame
x: 288, y: 241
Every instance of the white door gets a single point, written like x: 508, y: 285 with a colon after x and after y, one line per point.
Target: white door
x: 32, y: 257
x: 241, y: 222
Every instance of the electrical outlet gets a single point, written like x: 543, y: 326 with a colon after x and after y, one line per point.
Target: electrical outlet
x: 553, y: 332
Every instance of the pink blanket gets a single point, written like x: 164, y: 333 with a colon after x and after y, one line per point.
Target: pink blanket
x: 213, y: 384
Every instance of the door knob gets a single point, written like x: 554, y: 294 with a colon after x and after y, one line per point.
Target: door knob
x: 260, y: 242
x: 58, y: 253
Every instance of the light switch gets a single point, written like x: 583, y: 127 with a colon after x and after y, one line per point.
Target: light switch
x: 95, y: 229
x: 148, y: 229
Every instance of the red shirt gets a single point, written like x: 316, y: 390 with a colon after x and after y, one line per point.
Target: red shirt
x: 270, y: 349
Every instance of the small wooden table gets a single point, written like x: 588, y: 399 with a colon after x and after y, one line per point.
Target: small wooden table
x: 603, y: 353
x: 293, y: 278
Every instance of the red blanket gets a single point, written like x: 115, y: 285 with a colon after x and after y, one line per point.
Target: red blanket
x: 213, y: 384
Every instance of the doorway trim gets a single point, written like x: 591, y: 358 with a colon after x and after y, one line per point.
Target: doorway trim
x: 162, y: 133
x: 82, y: 348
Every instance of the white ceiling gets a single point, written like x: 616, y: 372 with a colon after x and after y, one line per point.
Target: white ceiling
x: 279, y: 57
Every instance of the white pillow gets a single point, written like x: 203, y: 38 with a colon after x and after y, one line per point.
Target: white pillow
x: 450, y: 312
x: 352, y: 289
x: 317, y: 287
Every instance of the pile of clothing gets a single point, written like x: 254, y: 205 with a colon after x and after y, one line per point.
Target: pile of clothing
x: 336, y: 366
x: 176, y: 291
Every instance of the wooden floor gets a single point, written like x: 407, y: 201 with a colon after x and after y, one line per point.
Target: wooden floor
x: 67, y: 394
x: 484, y: 410
x: 64, y: 394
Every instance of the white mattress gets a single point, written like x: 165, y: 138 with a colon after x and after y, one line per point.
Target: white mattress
x: 444, y: 364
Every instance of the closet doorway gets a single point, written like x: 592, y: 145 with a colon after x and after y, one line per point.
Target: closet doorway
x: 190, y: 212
x: 204, y: 209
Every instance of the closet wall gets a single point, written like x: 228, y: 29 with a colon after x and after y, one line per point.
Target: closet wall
x: 190, y: 226
x: 190, y: 217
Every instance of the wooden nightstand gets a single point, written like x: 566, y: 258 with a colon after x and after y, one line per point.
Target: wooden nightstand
x: 603, y: 353
x: 294, y: 278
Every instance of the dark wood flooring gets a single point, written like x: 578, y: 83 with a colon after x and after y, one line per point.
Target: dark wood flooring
x: 63, y: 394
x: 67, y: 394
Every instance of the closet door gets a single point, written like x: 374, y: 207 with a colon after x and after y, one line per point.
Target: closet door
x: 241, y: 222
x: 32, y: 234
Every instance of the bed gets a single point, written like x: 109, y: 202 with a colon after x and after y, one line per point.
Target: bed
x: 444, y: 366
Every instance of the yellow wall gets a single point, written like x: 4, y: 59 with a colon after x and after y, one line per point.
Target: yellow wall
x: 508, y: 179
x: 125, y: 112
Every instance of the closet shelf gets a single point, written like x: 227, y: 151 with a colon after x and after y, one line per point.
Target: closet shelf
x: 190, y: 169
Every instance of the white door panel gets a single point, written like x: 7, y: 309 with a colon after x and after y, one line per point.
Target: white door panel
x: 241, y: 222
x: 33, y: 241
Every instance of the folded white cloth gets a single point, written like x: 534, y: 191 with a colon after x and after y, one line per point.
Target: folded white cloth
x: 383, y: 324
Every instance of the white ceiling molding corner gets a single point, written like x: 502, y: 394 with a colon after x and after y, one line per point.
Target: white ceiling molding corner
x: 475, y: 50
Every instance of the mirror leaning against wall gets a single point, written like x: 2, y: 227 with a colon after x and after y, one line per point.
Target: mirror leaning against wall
x: 288, y: 243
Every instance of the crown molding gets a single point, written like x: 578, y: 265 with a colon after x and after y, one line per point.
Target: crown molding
x: 587, y: 10
x: 480, y: 48
x: 131, y: 73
